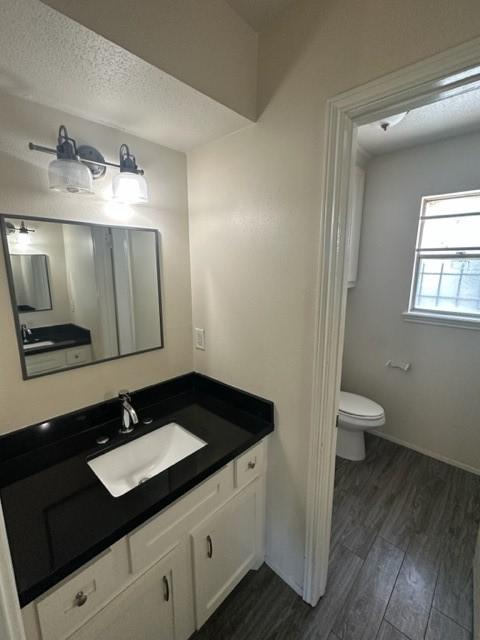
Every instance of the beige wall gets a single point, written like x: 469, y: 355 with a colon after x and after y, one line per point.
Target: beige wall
x: 254, y: 199
x: 436, y: 405
x: 24, y: 190
x: 203, y: 43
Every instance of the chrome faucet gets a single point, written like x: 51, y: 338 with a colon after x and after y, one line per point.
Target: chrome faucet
x: 129, y: 415
x: 26, y: 333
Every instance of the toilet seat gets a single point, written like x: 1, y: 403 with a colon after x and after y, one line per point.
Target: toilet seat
x: 359, y: 407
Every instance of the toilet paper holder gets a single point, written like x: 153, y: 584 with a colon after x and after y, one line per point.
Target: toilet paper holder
x: 404, y: 366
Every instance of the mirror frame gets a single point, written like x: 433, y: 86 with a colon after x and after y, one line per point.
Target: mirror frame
x: 13, y: 299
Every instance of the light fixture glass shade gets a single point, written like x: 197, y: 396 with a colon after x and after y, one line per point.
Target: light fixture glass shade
x: 70, y: 175
x: 23, y: 238
x: 130, y: 188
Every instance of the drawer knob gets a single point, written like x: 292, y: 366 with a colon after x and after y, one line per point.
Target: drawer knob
x: 251, y: 465
x: 80, y: 599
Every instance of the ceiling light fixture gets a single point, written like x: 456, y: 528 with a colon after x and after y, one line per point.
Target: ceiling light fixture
x: 129, y: 186
x: 391, y: 121
x: 75, y: 169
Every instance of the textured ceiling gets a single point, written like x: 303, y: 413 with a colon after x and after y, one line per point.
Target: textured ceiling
x: 50, y: 59
x: 259, y: 13
x: 444, y: 119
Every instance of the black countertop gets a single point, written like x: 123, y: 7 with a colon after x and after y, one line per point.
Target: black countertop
x: 59, y: 515
x: 63, y: 336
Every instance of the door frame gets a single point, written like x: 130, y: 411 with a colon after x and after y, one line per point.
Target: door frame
x: 441, y: 76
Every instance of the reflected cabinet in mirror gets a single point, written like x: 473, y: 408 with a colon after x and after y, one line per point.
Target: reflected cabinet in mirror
x: 81, y: 293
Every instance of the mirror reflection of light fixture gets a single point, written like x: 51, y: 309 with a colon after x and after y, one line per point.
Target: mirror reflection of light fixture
x: 75, y: 169
x: 129, y: 186
x: 22, y: 235
x: 67, y: 172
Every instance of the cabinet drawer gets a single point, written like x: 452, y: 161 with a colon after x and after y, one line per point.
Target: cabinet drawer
x: 249, y: 465
x: 79, y: 355
x: 70, y: 605
x: 152, y: 540
x: 45, y: 362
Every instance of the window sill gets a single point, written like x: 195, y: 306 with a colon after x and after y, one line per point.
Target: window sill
x: 442, y: 320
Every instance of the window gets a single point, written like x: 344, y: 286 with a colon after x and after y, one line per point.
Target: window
x: 446, y: 277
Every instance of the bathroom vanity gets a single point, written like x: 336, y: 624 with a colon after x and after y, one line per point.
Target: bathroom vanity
x: 157, y: 560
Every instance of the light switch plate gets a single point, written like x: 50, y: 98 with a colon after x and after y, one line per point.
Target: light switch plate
x: 200, y: 339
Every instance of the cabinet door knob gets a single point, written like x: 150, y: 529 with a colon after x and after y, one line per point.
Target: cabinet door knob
x: 166, y: 589
x: 80, y: 599
x: 251, y: 465
x: 209, y: 547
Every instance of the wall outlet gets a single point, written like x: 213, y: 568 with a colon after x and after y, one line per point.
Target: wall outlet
x: 200, y: 339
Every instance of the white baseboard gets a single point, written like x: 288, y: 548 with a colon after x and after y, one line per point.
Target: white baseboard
x: 427, y: 452
x: 287, y: 579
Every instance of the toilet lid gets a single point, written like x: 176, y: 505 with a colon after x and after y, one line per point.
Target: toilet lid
x: 353, y: 405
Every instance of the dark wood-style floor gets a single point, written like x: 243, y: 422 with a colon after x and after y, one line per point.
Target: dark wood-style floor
x: 403, y: 539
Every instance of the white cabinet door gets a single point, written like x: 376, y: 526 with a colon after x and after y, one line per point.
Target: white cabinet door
x: 143, y: 611
x: 224, y: 549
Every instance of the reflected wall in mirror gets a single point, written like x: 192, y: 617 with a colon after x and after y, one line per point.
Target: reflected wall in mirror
x: 81, y: 293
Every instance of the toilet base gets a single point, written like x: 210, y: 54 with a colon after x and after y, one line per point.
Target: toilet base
x: 351, y: 444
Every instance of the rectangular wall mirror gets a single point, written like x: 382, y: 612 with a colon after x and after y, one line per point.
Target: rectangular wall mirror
x: 81, y: 293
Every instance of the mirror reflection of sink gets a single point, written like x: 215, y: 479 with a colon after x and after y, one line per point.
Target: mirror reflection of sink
x: 35, y: 345
x: 131, y: 464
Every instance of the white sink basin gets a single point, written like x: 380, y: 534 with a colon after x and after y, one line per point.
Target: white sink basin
x: 34, y: 345
x: 125, y: 467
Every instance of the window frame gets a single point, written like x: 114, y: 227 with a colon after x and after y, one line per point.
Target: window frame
x: 433, y: 316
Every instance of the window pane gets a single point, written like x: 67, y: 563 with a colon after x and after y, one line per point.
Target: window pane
x: 451, y: 206
x: 448, y: 285
x: 449, y: 233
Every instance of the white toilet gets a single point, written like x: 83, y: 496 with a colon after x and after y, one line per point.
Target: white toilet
x: 356, y: 414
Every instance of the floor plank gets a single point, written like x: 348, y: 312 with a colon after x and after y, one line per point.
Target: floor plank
x: 316, y: 623
x: 256, y: 609
x: 422, y: 497
x: 453, y: 593
x: 442, y: 628
x: 411, y: 601
x: 387, y: 632
x: 361, y: 616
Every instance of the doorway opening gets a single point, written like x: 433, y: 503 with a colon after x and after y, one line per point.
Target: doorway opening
x: 444, y: 76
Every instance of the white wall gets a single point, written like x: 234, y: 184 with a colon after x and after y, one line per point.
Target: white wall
x: 145, y: 287
x: 254, y: 202
x: 82, y: 283
x: 436, y: 405
x: 203, y: 43
x: 24, y: 190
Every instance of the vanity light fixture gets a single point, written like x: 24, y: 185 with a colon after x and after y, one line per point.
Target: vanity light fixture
x: 129, y: 186
x: 23, y: 235
x: 67, y: 172
x: 75, y: 169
